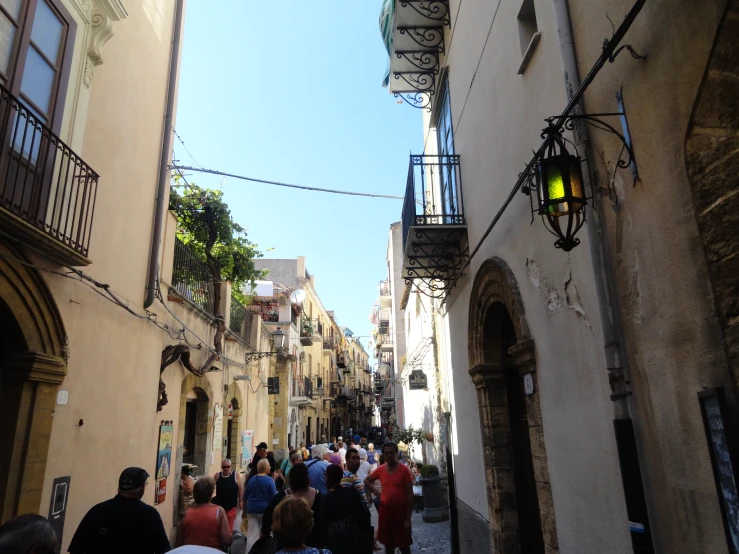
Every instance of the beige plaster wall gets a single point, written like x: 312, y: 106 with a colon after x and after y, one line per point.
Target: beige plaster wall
x: 110, y: 421
x: 672, y: 340
x: 496, y: 127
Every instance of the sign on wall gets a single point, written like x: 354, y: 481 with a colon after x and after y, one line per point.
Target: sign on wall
x: 723, y: 459
x: 217, y: 427
x: 247, y: 439
x: 58, y: 505
x: 160, y: 493
x: 417, y: 380
x: 164, y: 460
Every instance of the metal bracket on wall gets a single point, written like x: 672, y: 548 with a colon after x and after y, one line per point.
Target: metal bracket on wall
x: 569, y: 123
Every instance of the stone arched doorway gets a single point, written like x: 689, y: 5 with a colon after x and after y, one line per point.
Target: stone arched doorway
x: 501, y: 354
x: 712, y: 162
x: 196, y: 421
x: 33, y: 362
x: 232, y: 426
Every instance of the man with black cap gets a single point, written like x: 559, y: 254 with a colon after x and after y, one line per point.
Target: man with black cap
x: 261, y: 453
x: 123, y: 524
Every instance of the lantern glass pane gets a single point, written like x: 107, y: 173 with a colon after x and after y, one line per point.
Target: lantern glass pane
x: 555, y: 183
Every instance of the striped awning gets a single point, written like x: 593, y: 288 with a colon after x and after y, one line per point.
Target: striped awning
x: 413, y: 34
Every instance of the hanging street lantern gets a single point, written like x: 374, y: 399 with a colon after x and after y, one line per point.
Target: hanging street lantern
x: 278, y: 342
x: 557, y: 182
x: 278, y: 339
x: 560, y: 185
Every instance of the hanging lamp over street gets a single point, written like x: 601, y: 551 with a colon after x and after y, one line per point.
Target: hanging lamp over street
x: 559, y: 183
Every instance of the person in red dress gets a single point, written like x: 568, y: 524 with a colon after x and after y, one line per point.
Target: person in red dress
x: 396, y: 501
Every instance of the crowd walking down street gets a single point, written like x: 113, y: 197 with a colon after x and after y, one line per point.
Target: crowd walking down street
x: 351, y: 517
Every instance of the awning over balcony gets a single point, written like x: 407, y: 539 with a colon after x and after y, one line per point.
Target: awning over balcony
x: 413, y: 33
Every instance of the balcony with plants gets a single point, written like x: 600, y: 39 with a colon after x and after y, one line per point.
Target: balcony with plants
x: 306, y: 331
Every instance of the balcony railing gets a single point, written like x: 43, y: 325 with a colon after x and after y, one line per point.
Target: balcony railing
x: 330, y: 342
x: 241, y: 319
x: 43, y: 182
x: 191, y: 278
x: 433, y: 195
x: 435, y: 243
x: 302, y: 387
x: 385, y: 288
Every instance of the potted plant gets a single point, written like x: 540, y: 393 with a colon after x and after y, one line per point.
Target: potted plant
x: 434, y: 507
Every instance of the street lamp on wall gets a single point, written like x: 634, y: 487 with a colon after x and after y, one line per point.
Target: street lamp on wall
x: 278, y: 342
x: 556, y: 179
x: 559, y: 183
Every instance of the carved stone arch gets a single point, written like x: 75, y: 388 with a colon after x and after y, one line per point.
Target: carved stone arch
x: 33, y: 362
x: 494, y: 282
x: 712, y: 163
x: 25, y: 292
x: 502, y: 356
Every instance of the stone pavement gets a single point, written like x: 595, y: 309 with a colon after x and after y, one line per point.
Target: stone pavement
x: 430, y: 538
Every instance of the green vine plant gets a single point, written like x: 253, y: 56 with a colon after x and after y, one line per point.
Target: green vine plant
x: 208, y: 229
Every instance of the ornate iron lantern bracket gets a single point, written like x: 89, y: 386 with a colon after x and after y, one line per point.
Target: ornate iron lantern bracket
x: 556, y: 175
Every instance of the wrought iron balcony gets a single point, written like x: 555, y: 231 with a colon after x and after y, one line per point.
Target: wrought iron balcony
x: 191, y: 278
x: 241, y: 320
x: 47, y: 192
x: 385, y: 297
x: 435, y: 242
x: 302, y: 392
x: 385, y: 342
x: 383, y: 320
x: 413, y: 31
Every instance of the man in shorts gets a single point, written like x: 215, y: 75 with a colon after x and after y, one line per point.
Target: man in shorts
x: 396, y: 501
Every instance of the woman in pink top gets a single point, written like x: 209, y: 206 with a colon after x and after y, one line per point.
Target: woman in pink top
x: 204, y: 524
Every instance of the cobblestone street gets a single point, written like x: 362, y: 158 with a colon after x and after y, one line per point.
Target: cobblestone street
x: 431, y: 538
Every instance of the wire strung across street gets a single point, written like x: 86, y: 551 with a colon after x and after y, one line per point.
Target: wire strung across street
x: 279, y: 184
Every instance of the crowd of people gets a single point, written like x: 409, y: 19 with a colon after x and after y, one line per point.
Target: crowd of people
x: 318, y: 500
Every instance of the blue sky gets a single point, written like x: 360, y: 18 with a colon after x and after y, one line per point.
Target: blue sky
x: 291, y: 91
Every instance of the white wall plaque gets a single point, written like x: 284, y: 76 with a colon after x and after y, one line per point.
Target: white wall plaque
x: 528, y: 384
x: 62, y: 397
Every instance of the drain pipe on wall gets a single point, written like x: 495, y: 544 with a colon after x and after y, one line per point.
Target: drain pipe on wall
x: 155, y: 251
x: 628, y: 451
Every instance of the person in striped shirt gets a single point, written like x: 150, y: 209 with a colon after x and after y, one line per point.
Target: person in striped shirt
x: 350, y: 479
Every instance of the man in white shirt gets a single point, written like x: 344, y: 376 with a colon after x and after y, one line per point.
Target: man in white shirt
x: 364, y: 467
x: 342, y: 453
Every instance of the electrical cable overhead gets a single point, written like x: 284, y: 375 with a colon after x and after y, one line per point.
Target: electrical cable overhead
x: 182, y: 142
x: 280, y: 184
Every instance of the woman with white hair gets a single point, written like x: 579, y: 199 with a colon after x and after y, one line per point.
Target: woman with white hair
x: 372, y: 457
x: 260, y: 489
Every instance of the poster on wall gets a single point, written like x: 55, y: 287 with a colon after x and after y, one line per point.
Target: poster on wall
x: 217, y: 428
x: 164, y: 452
x: 247, y: 440
x: 160, y: 493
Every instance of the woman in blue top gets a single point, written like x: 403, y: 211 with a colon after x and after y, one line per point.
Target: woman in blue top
x: 259, y: 491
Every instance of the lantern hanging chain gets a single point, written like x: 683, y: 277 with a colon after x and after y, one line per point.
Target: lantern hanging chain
x: 609, y: 53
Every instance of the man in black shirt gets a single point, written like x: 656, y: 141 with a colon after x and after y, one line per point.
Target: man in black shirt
x: 260, y: 453
x: 123, y: 524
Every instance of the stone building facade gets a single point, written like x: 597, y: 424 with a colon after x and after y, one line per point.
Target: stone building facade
x: 581, y: 370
